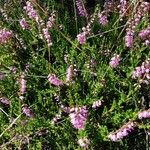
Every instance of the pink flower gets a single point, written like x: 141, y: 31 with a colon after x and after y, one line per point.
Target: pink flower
x: 129, y: 38
x: 142, y: 72
x: 54, y: 80
x: 4, y: 101
x: 5, y: 35
x: 103, y: 19
x: 144, y: 114
x: 114, y: 61
x: 24, y: 24
x: 27, y: 111
x: 22, y: 82
x: 144, y: 34
x: 70, y: 74
x: 81, y: 8
x: 123, y: 131
x: 81, y: 38
x: 31, y: 12
x: 78, y: 117
x: 51, y: 20
x: 47, y: 36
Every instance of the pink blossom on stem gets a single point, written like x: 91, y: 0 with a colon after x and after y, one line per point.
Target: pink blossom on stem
x: 81, y: 8
x: 78, y: 117
x: 51, y: 20
x: 82, y: 38
x: 47, y: 36
x: 124, y: 131
x: 22, y: 83
x: 4, y: 101
x: 31, y: 12
x: 144, y: 114
x: 142, y: 72
x: 70, y: 74
x: 103, y: 19
x: 144, y: 34
x: 54, y: 80
x: 27, y: 111
x: 23, y: 24
x: 114, y: 61
x: 5, y: 35
x: 129, y: 38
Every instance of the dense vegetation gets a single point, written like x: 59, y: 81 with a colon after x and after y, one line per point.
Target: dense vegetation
x: 74, y: 74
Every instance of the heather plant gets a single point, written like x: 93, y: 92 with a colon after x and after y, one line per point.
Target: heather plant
x: 74, y: 74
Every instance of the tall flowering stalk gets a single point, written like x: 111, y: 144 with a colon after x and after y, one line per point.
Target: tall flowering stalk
x: 47, y: 36
x: 143, y: 8
x: 31, y: 12
x: 78, y: 116
x: 70, y: 74
x: 81, y: 8
x: 82, y: 36
x: 123, y: 131
x: 123, y: 6
x: 22, y: 85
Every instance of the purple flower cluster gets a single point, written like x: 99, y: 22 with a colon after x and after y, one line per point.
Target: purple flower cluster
x: 4, y: 101
x: 97, y: 104
x: 123, y: 131
x: 51, y: 20
x: 5, y: 35
x: 47, y: 36
x: 145, y: 35
x: 142, y: 72
x: 27, y: 111
x: 81, y: 8
x: 70, y: 74
x: 144, y: 114
x: 31, y: 12
x: 84, y: 142
x: 114, y: 61
x: 78, y: 116
x: 123, y: 6
x: 82, y: 38
x: 103, y: 19
x: 143, y: 8
x: 24, y: 24
x: 129, y: 38
x: 54, y: 80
